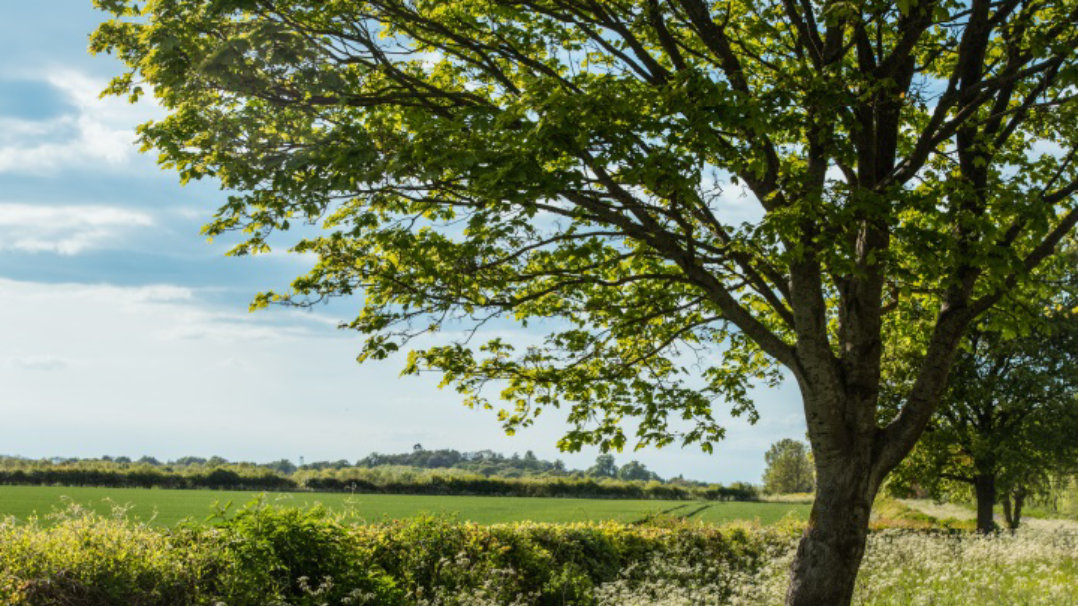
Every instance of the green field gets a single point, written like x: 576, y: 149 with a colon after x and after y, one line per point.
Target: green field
x: 166, y: 507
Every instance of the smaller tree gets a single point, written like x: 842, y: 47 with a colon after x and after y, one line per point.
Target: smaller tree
x: 283, y: 466
x: 604, y: 467
x: 789, y: 468
x: 1008, y: 418
x: 635, y: 470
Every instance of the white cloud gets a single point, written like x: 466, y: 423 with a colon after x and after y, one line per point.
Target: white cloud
x: 222, y: 329
x: 44, y: 363
x: 154, y: 293
x: 158, y: 312
x: 99, y: 135
x: 65, y: 230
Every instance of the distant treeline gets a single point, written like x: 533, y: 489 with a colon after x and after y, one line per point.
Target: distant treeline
x: 485, y: 463
x: 142, y: 476
x: 217, y: 473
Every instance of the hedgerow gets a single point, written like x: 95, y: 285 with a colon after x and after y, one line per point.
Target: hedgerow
x: 382, y: 479
x: 268, y: 556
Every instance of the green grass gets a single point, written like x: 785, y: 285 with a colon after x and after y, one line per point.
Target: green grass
x: 167, y: 507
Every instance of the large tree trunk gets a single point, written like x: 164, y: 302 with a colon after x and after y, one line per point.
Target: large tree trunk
x: 984, y: 486
x: 825, y: 569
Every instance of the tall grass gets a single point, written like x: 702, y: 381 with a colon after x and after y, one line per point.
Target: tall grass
x: 1033, y: 567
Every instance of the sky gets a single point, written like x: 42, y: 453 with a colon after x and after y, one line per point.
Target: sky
x: 124, y: 332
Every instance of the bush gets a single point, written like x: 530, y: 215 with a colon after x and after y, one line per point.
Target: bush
x: 295, y: 556
x: 80, y: 558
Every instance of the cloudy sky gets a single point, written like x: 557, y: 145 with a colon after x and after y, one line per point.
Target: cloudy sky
x: 123, y: 332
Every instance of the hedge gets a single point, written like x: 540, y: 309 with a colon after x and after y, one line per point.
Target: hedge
x: 263, y: 555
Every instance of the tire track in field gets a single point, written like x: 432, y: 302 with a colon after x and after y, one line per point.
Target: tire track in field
x: 683, y: 515
x: 696, y: 511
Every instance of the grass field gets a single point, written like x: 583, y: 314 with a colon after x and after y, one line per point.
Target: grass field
x: 166, y: 507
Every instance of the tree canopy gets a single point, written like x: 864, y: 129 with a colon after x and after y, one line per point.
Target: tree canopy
x: 583, y: 161
x: 682, y: 196
x: 604, y: 467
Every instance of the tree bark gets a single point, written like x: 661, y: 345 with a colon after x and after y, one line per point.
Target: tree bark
x: 984, y: 486
x: 830, y: 552
x: 1012, y: 510
x: 1019, y: 499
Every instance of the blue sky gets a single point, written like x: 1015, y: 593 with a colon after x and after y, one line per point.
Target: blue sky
x: 124, y: 332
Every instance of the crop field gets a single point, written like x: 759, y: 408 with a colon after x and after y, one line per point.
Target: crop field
x: 163, y: 507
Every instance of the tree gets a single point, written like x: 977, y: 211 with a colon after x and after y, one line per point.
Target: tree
x: 789, y: 467
x: 587, y: 166
x: 283, y: 466
x: 635, y: 470
x: 216, y: 461
x: 604, y: 467
x: 1008, y: 420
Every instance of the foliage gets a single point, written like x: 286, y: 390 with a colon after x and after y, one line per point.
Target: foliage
x: 268, y: 556
x: 485, y: 462
x: 85, y: 559
x: 1009, y: 416
x: 635, y: 470
x: 532, y: 161
x: 1061, y: 498
x: 604, y: 467
x: 89, y: 472
x: 435, y: 482
x: 295, y: 556
x: 789, y: 468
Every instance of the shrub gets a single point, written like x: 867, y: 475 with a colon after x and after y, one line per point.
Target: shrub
x: 77, y: 557
x: 297, y: 556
